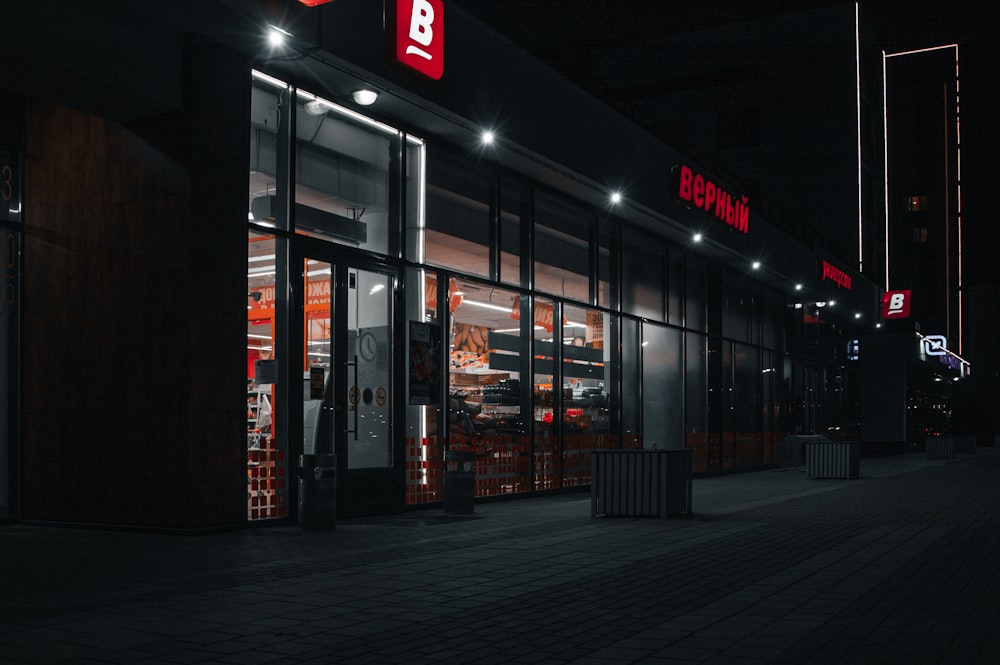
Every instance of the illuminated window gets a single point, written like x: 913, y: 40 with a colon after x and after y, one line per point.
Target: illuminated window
x: 916, y: 203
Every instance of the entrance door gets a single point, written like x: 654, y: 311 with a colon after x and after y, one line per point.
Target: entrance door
x: 348, y: 375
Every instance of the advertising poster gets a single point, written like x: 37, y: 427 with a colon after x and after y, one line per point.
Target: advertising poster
x: 425, y: 363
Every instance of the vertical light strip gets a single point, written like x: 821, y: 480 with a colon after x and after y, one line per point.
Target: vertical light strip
x: 885, y: 167
x: 857, y: 67
x: 958, y: 167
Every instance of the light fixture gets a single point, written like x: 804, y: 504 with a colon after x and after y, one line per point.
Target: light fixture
x: 857, y: 315
x: 487, y: 137
x: 616, y: 197
x: 276, y: 36
x: 798, y: 287
x: 364, y: 96
x: 697, y: 237
x: 315, y: 107
x: 756, y: 265
x: 821, y: 303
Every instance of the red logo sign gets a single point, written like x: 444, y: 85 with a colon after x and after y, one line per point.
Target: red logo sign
x: 836, y: 275
x: 896, y: 305
x: 697, y: 190
x: 416, y: 35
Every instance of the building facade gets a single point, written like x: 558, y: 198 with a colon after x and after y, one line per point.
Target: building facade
x: 224, y: 258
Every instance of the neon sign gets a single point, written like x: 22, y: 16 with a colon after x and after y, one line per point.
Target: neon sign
x: 896, y: 305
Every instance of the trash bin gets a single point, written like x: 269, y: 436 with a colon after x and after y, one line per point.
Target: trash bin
x: 317, y: 491
x: 459, y: 481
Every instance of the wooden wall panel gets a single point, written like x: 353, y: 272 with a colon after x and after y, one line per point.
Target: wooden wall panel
x: 133, y: 360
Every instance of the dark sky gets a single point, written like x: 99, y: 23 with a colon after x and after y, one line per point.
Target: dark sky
x: 562, y: 32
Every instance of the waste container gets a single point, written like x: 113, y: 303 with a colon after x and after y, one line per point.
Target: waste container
x: 317, y: 491
x: 459, y: 481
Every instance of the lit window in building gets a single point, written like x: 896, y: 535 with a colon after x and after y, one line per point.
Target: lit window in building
x: 916, y: 203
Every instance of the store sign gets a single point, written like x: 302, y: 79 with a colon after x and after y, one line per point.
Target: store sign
x: 314, y: 3
x: 828, y: 271
x: 415, y: 35
x: 698, y: 191
x: 934, y: 345
x: 896, y: 305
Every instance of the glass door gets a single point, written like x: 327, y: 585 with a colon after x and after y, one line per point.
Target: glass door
x: 347, y: 388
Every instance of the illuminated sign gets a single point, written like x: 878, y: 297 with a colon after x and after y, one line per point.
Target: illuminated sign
x: 831, y: 272
x: 314, y: 3
x: 700, y: 192
x: 415, y: 35
x: 935, y: 345
x: 896, y: 305
x: 853, y: 349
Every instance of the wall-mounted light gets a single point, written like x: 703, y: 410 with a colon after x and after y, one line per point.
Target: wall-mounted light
x: 276, y: 36
x: 364, y: 97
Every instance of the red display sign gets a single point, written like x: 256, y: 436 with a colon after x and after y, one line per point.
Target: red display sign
x: 695, y: 189
x: 896, y: 305
x: 830, y: 272
x: 415, y: 35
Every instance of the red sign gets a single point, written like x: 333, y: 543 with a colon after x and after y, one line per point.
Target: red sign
x: 896, y: 305
x: 835, y: 275
x: 700, y: 192
x: 415, y: 35
x: 314, y: 3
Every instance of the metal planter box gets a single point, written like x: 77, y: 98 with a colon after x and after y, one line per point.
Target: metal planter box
x: 833, y: 459
x: 640, y: 483
x: 940, y: 447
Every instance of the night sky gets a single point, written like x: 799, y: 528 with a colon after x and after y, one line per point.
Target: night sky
x: 561, y: 32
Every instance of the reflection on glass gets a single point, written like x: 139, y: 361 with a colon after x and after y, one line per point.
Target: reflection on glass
x: 585, y: 380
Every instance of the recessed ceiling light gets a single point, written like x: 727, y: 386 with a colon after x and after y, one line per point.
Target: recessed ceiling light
x: 364, y: 97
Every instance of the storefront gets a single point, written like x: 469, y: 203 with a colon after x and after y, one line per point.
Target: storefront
x: 410, y: 287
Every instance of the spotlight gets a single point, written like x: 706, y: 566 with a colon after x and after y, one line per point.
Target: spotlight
x: 697, y: 237
x: 276, y: 36
x: 315, y: 107
x: 798, y: 287
x: 616, y: 197
x: 755, y: 265
x: 488, y: 137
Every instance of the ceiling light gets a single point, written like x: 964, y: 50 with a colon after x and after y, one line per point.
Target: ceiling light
x: 756, y: 265
x: 697, y: 237
x: 857, y: 315
x: 616, y: 197
x: 364, y: 97
x: 488, y: 137
x: 315, y: 107
x: 798, y: 287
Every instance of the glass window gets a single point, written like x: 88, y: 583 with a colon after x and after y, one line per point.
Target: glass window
x: 515, y: 207
x: 342, y: 173
x: 695, y: 404
x: 585, y: 380
x: 631, y: 405
x: 458, y: 214
x: 267, y: 96
x: 423, y: 439
x: 643, y: 277
x: 607, y: 262
x: 563, y: 231
x: 487, y: 356
x: 662, y: 388
x: 266, y: 456
x: 548, y: 398
x: 695, y: 297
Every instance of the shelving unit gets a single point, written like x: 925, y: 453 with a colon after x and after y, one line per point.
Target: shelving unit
x: 266, y: 468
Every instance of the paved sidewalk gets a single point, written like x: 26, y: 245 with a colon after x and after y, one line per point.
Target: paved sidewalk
x: 901, y: 566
